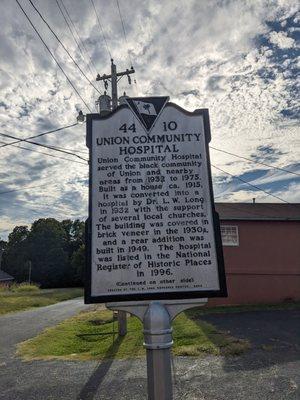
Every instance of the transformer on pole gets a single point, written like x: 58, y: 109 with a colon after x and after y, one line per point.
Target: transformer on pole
x: 114, y: 78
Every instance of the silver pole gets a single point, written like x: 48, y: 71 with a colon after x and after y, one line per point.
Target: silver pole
x: 158, y: 342
x: 157, y: 317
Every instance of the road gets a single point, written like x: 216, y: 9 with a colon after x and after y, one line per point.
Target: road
x: 17, y: 327
x: 269, y: 371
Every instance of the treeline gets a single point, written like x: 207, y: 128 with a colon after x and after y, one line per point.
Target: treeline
x: 53, y: 251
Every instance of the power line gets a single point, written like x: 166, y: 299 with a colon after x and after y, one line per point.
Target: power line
x: 124, y: 31
x: 26, y: 202
x: 101, y: 29
x: 255, y: 162
x: 64, y: 47
x: 40, y: 134
x: 43, y: 145
x: 46, y: 133
x: 250, y: 184
x: 46, y: 154
x: 75, y: 40
x: 52, y: 55
x: 24, y: 187
x: 83, y: 45
x: 126, y: 41
x: 72, y: 150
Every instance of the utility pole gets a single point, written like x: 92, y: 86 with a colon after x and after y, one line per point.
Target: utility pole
x: 29, y: 272
x: 114, y: 78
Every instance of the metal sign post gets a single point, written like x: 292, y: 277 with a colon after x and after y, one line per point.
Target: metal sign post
x: 153, y: 237
x: 157, y: 318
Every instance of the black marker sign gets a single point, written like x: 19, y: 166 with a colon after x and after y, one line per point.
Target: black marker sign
x: 153, y: 232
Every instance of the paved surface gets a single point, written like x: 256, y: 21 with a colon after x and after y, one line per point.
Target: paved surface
x: 17, y: 327
x: 270, y: 371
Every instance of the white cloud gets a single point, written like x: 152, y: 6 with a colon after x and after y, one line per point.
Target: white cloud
x: 8, y: 224
x: 281, y: 40
x: 202, y: 54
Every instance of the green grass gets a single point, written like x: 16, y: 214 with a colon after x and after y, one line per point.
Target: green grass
x: 24, y: 287
x: 11, y: 300
x: 90, y: 336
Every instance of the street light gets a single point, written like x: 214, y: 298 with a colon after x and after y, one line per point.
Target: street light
x: 80, y: 117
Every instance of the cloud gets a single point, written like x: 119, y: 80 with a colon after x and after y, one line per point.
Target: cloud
x: 281, y: 40
x: 238, y: 59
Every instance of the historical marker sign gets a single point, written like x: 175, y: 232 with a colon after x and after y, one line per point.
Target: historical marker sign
x: 153, y: 232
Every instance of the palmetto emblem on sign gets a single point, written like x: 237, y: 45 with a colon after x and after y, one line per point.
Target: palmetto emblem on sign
x: 144, y: 107
x: 147, y: 109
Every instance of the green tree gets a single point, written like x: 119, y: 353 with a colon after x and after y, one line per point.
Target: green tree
x: 55, y: 249
x: 75, y: 234
x: 78, y: 265
x: 50, y: 260
x: 16, y: 253
x: 18, y: 235
x: 3, y: 246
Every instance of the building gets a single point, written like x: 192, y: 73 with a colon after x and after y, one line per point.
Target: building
x: 261, y: 244
x: 5, y: 278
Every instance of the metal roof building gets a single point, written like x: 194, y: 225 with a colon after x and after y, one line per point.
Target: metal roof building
x: 259, y: 211
x: 261, y: 245
x: 5, y: 277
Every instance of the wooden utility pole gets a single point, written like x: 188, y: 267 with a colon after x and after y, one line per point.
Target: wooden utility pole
x: 114, y: 78
x: 29, y: 272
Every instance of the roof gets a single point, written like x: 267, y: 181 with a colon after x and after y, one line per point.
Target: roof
x: 4, y: 276
x: 259, y: 211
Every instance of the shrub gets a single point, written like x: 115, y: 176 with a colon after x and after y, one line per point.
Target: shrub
x: 3, y: 287
x: 25, y: 287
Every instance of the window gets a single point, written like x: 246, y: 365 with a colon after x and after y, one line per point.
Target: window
x: 230, y: 235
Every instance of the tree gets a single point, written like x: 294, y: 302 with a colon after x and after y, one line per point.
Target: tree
x: 18, y: 235
x: 16, y: 253
x: 75, y: 233
x: 3, y: 246
x: 55, y: 249
x: 78, y: 264
x: 50, y: 260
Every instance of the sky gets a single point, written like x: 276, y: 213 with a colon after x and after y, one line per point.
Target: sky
x: 240, y: 59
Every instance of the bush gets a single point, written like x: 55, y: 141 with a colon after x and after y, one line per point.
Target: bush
x: 3, y: 287
x: 25, y: 287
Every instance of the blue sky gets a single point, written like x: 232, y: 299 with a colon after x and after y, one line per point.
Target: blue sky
x: 239, y: 59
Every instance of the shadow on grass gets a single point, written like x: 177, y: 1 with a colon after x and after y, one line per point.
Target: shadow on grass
x: 82, y: 335
x: 90, y: 388
x: 203, y: 337
x: 273, y: 335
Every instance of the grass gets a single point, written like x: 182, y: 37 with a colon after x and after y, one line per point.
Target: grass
x: 22, y: 298
x: 91, y: 336
x: 24, y: 287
